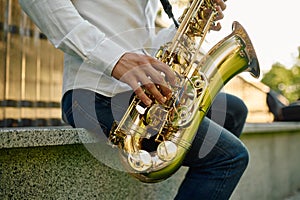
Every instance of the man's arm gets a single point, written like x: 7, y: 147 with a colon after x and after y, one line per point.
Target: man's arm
x: 67, y: 30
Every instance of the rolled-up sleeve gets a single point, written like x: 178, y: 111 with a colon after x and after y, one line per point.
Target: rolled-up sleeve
x: 67, y: 30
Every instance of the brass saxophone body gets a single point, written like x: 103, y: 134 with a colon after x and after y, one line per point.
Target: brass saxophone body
x: 170, y: 128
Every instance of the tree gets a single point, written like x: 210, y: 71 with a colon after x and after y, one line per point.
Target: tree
x: 285, y: 81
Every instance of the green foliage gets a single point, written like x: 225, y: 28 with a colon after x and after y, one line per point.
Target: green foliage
x: 284, y: 81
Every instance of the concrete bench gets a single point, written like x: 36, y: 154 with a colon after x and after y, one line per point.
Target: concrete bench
x: 53, y: 163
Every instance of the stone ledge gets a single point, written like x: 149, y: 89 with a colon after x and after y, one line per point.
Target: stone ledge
x: 64, y: 135
x: 274, y: 127
x: 35, y: 136
x: 60, y: 166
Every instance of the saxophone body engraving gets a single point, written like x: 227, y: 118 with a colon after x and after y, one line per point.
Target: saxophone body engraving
x: 154, y: 140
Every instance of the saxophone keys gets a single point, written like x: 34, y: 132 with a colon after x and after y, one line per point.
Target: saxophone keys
x: 140, y: 160
x: 167, y: 150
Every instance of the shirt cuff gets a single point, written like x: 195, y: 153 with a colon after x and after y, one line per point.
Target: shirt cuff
x: 105, y: 55
x: 92, y: 45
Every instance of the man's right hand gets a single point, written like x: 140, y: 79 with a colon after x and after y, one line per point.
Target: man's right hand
x: 141, y: 70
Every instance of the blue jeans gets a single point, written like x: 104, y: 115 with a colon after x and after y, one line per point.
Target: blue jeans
x: 217, y: 158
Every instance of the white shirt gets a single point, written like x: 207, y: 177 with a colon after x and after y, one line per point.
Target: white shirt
x: 94, y: 34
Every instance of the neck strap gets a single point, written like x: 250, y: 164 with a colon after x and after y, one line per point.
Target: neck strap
x: 168, y: 9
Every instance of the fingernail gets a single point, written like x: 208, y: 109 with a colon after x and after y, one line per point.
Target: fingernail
x: 163, y: 100
x: 148, y: 102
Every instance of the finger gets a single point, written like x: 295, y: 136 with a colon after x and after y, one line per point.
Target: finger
x: 166, y: 91
x: 159, y: 80
x: 221, y: 3
x: 151, y: 88
x: 142, y: 96
x: 216, y: 27
x: 132, y: 79
x: 220, y: 14
x: 139, y: 91
x: 162, y: 67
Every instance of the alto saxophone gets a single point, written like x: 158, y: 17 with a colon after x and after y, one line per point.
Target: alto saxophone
x: 155, y: 139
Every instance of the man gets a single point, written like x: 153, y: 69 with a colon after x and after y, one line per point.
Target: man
x: 106, y: 45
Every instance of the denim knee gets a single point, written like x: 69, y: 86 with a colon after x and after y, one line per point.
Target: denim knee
x: 237, y: 113
x: 242, y: 157
x: 238, y: 108
x: 229, y: 112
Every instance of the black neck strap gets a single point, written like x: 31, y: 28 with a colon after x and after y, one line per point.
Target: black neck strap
x: 168, y: 9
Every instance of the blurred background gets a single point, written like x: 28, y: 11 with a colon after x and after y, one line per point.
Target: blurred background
x: 30, y: 72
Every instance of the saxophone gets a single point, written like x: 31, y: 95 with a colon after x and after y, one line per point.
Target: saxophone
x: 154, y: 140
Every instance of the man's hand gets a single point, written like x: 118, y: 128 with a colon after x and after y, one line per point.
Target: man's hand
x: 140, y: 70
x: 220, y: 6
